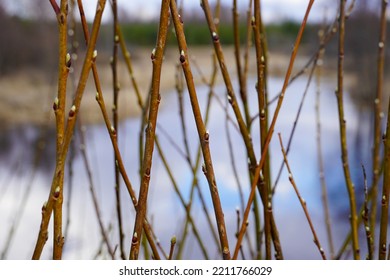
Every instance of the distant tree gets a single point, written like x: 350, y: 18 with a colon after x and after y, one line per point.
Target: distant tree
x: 362, y: 35
x: 26, y: 42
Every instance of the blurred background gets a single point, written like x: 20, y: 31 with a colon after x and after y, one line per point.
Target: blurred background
x: 28, y: 85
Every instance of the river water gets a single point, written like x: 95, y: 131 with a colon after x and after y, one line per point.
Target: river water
x: 18, y: 175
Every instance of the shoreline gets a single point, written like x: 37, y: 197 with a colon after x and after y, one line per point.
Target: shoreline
x: 26, y: 97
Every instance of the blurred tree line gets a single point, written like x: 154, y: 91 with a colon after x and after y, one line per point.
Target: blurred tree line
x: 26, y: 43
x: 32, y: 41
x: 362, y: 39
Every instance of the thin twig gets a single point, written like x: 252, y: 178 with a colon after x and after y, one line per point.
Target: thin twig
x: 321, y: 167
x: 301, y: 200
x: 365, y: 215
x: 233, y: 161
x: 378, y: 122
x: 116, y: 88
x: 297, y: 117
x: 172, y: 248
x: 55, y: 6
x: 93, y: 192
x: 385, y: 193
x: 38, y: 154
x: 248, y: 43
x: 331, y: 31
x: 72, y: 149
x: 348, y: 237
x: 263, y: 109
x: 240, y: 70
x: 343, y: 137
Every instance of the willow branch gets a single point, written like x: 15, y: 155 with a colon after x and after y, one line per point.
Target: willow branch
x: 64, y: 65
x: 343, y: 136
x: 384, y: 219
x: 116, y: 88
x: 378, y: 122
x: 157, y: 59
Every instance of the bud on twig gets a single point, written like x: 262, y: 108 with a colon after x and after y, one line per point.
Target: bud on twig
x: 56, y: 193
x: 182, y: 56
x: 206, y: 137
x: 253, y: 21
x: 94, y: 55
x: 153, y: 55
x: 113, y: 131
x: 215, y: 36
x: 55, y: 104
x: 230, y: 99
x: 204, y: 169
x: 44, y: 206
x: 68, y: 61
x: 147, y: 172
x: 134, y: 240
x: 72, y: 111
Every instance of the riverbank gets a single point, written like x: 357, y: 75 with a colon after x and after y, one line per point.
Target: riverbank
x: 27, y: 96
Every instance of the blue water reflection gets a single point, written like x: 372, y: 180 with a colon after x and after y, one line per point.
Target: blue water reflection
x: 165, y: 212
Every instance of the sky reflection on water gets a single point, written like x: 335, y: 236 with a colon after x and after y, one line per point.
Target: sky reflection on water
x: 165, y: 212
